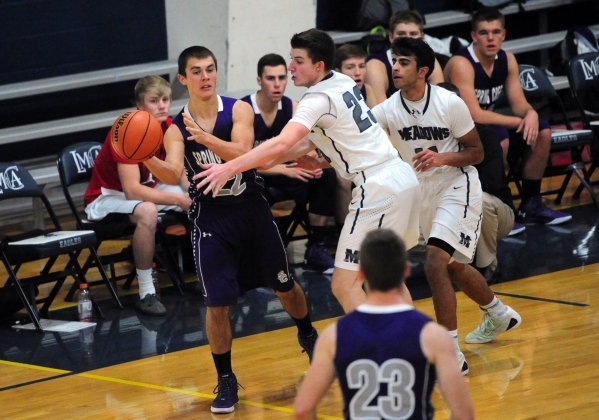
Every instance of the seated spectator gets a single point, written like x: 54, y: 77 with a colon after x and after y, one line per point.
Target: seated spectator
x: 481, y: 72
x: 120, y: 188
x: 350, y: 60
x: 272, y: 110
x: 404, y: 23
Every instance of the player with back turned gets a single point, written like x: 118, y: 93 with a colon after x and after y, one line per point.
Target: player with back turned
x: 385, y: 354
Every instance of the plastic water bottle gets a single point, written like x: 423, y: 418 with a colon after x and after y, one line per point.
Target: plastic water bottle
x: 86, y: 337
x: 84, y: 303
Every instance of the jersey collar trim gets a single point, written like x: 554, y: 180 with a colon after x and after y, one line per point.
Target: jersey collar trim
x: 428, y: 99
x: 386, y: 309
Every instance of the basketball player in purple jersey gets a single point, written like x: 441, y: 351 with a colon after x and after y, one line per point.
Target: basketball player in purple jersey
x: 386, y: 354
x: 235, y: 240
x: 482, y: 72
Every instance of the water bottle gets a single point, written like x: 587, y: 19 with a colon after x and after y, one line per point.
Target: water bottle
x: 84, y: 303
x: 86, y: 337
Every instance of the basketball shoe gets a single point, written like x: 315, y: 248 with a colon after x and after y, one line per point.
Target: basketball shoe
x: 307, y: 342
x: 534, y: 211
x: 462, y: 363
x: 226, y: 394
x: 493, y: 325
x: 317, y: 258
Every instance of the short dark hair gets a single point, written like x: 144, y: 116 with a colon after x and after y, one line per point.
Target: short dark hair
x: 383, y: 259
x: 193, y: 52
x: 425, y: 56
x: 347, y: 51
x: 406, y: 16
x: 271, y: 60
x: 486, y: 14
x: 318, y: 44
x: 450, y: 87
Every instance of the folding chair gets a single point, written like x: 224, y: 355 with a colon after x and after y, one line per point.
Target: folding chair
x: 583, y: 76
x: 538, y: 88
x: 27, y: 246
x: 288, y: 224
x: 75, y: 166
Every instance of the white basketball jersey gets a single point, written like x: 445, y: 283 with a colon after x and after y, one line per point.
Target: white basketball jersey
x: 434, y: 122
x: 356, y: 141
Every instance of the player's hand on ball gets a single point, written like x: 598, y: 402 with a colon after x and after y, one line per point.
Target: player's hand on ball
x: 308, y: 162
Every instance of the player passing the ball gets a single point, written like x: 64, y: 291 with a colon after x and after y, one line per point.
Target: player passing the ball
x: 236, y: 242
x: 333, y: 116
x: 122, y: 189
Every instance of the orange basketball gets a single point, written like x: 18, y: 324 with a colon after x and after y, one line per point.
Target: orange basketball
x: 136, y: 135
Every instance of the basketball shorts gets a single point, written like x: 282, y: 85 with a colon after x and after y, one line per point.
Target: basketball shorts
x: 517, y: 143
x: 110, y: 202
x: 386, y: 196
x: 451, y: 210
x: 237, y: 248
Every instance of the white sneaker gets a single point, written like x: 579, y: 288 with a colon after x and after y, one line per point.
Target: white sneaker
x: 462, y: 363
x: 491, y: 326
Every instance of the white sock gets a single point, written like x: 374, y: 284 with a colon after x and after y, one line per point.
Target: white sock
x: 146, y: 282
x: 454, y: 335
x: 495, y: 307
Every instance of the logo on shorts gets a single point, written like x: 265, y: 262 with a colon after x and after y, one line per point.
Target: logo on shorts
x: 282, y: 277
x: 352, y: 256
x: 204, y: 234
x: 465, y: 240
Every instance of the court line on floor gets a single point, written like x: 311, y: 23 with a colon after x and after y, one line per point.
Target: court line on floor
x: 562, y: 302
x: 193, y: 393
x: 63, y: 373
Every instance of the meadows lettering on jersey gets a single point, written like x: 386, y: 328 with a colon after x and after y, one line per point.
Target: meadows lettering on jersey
x: 85, y: 161
x: 10, y: 180
x: 424, y: 133
x: 590, y: 68
x: 206, y: 156
x: 488, y: 96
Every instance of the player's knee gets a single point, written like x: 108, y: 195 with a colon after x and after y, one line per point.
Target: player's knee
x: 146, y: 213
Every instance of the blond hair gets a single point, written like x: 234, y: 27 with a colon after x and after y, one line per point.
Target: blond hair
x: 154, y: 84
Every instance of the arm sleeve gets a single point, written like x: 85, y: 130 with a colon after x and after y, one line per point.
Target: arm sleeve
x: 315, y: 108
x: 459, y: 116
x: 380, y: 116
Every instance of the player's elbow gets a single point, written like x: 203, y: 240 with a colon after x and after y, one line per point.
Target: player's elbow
x: 303, y: 412
x: 478, y: 155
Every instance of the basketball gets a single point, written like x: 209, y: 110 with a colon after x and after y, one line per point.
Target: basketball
x: 136, y: 135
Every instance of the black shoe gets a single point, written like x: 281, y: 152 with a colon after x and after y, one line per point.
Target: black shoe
x: 317, y: 258
x: 307, y: 342
x: 534, y: 211
x: 150, y: 305
x: 226, y: 394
